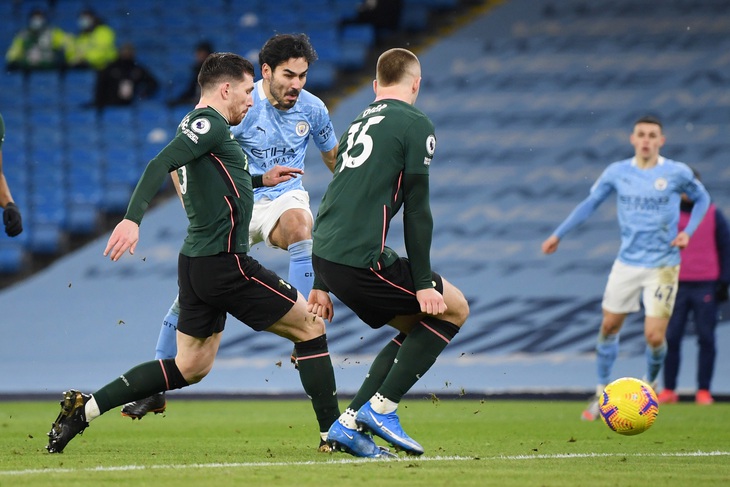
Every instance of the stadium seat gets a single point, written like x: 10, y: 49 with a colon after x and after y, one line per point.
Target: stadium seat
x: 323, y: 77
x: 414, y: 18
x: 45, y: 238
x: 12, y: 256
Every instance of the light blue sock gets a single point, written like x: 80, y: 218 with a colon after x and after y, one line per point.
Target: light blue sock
x: 301, y: 274
x: 655, y: 360
x: 167, y: 341
x: 606, y: 353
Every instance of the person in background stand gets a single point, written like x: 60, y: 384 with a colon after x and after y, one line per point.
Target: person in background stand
x: 40, y: 46
x: 124, y: 81
x: 95, y: 46
x: 703, y: 283
x: 191, y: 94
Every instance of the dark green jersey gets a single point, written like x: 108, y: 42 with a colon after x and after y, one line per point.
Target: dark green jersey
x: 382, y: 164
x: 216, y: 186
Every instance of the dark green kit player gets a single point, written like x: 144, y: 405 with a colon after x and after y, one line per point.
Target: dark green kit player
x: 382, y: 166
x: 215, y: 274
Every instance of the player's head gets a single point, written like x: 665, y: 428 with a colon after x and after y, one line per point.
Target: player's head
x: 227, y: 78
x: 647, y: 137
x: 399, y: 68
x: 650, y: 119
x: 285, y: 61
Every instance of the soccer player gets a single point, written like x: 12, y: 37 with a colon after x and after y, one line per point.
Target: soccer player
x: 277, y: 129
x: 11, y: 214
x: 215, y: 274
x: 648, y: 188
x: 383, y: 164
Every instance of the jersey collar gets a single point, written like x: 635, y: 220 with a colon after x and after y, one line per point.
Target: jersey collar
x: 660, y: 161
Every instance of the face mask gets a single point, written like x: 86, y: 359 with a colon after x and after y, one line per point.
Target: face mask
x: 85, y: 22
x: 37, y: 22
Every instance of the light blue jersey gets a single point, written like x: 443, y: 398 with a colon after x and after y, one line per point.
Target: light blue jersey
x: 648, y: 208
x: 270, y: 136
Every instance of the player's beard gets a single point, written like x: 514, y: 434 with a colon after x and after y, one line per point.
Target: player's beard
x: 280, y: 97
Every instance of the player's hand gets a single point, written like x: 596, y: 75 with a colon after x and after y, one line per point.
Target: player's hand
x: 12, y: 220
x: 431, y: 301
x: 681, y: 240
x: 550, y: 245
x: 124, y: 237
x: 279, y: 174
x: 320, y: 304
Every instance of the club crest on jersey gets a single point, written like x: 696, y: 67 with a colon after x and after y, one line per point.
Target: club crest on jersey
x: 302, y: 128
x: 431, y: 145
x: 200, y: 126
x: 660, y: 184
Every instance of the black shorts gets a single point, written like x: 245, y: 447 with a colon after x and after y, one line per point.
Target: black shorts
x: 212, y: 286
x: 376, y: 297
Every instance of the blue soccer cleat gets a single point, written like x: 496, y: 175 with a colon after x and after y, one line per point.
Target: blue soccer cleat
x: 387, y: 426
x: 354, y: 442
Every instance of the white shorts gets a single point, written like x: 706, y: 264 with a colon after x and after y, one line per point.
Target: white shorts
x: 266, y: 214
x: 626, y: 283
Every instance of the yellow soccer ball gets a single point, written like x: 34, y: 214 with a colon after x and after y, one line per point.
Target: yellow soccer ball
x: 628, y: 406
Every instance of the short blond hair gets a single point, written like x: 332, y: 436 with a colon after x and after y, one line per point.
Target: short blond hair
x: 394, y: 64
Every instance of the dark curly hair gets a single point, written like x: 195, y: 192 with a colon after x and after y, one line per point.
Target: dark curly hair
x: 283, y: 47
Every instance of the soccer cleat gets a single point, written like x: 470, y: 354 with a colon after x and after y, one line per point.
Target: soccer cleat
x: 70, y: 422
x: 667, y: 396
x: 387, y: 426
x: 155, y: 403
x: 703, y: 397
x: 590, y: 413
x: 354, y: 442
x: 324, y: 447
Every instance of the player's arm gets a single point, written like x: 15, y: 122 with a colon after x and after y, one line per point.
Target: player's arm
x: 599, y: 192
x: 330, y: 158
x: 418, y: 231
x: 125, y: 235
x: 176, y: 184
x: 324, y: 138
x: 701, y: 198
x: 180, y: 151
x: 276, y: 175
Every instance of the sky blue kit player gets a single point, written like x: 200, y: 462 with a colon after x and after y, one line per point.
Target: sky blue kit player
x: 648, y: 190
x: 270, y: 136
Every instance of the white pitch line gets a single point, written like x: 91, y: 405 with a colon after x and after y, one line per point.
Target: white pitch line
x: 347, y: 461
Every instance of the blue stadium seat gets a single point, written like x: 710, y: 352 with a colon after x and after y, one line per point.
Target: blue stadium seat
x: 323, y: 77
x: 414, y: 18
x: 12, y: 256
x: 78, y: 87
x: 45, y: 238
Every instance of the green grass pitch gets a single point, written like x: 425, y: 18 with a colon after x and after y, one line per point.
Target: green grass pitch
x: 273, y: 442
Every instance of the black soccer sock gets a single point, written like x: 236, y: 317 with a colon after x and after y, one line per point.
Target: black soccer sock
x: 139, y: 382
x: 417, y: 354
x: 318, y: 378
x: 379, y: 369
